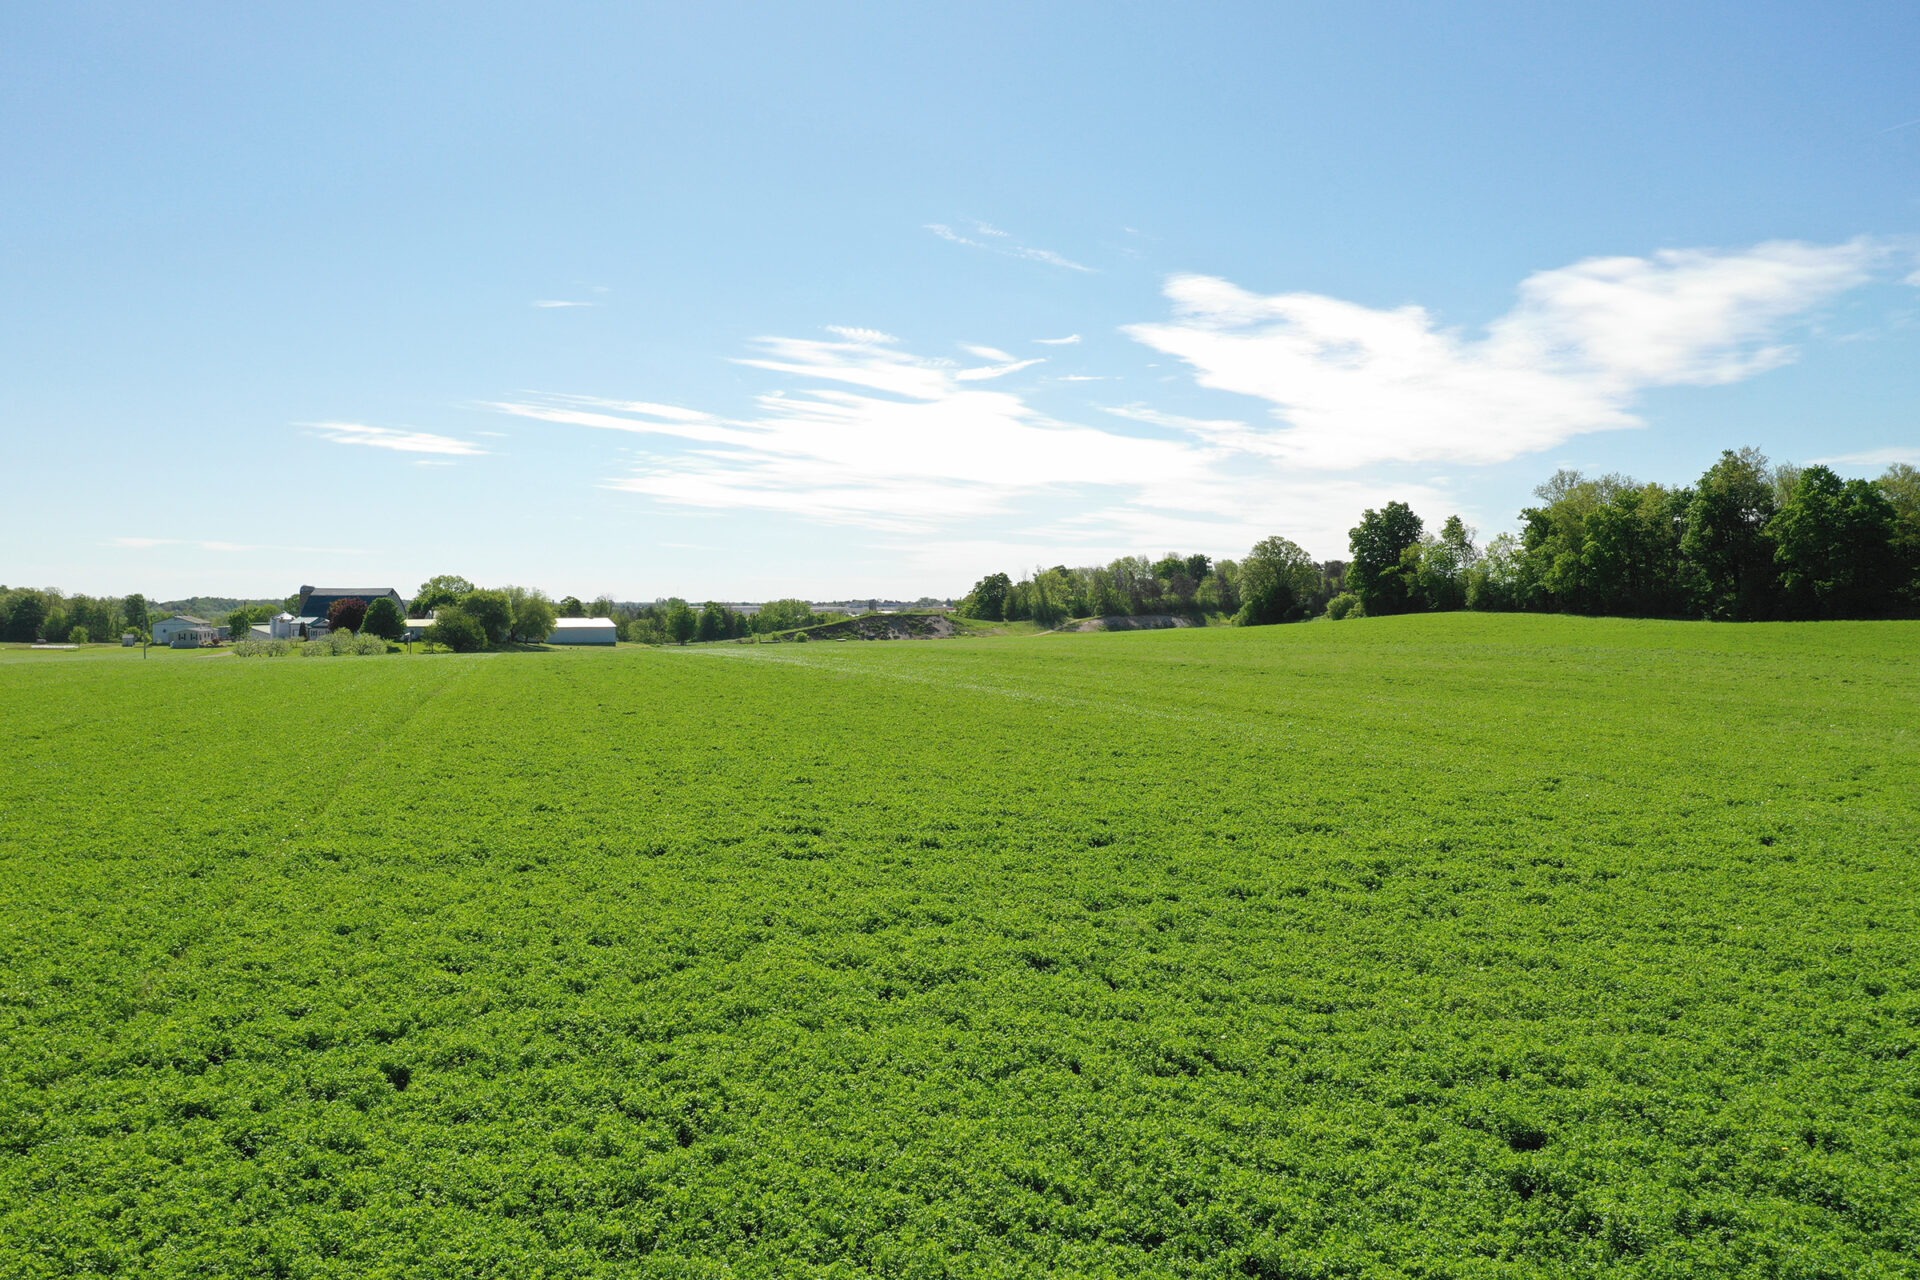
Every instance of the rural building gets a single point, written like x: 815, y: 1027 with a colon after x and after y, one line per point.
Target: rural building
x: 286, y: 626
x: 417, y: 627
x: 584, y: 631
x: 318, y: 602
x: 168, y: 630
x: 192, y: 637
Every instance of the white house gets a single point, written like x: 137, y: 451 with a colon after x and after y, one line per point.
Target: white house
x: 168, y: 630
x: 584, y: 631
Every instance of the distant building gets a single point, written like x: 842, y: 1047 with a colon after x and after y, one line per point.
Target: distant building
x: 318, y: 602
x: 168, y: 630
x: 584, y: 631
x: 287, y: 626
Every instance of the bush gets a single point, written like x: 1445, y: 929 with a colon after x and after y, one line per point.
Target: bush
x: 1345, y: 605
x: 79, y: 635
x: 457, y: 629
x: 264, y: 648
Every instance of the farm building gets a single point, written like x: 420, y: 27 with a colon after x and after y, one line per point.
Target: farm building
x: 286, y: 626
x: 318, y: 602
x: 168, y: 630
x: 583, y: 631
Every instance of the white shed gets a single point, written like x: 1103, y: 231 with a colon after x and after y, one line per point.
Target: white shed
x: 584, y: 631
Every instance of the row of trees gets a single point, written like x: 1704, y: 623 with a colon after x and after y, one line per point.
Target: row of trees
x: 1276, y: 581
x: 1175, y: 583
x: 1748, y: 541
x: 29, y: 613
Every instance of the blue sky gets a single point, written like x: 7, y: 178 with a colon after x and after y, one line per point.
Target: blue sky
x: 876, y: 299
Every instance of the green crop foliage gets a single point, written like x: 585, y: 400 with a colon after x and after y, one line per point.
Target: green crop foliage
x: 1461, y: 945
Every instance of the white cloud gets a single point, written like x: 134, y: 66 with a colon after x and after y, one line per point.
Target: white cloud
x: 388, y: 438
x: 988, y: 353
x: 1067, y: 341
x: 144, y: 544
x: 1913, y: 279
x: 1351, y: 385
x: 1005, y: 245
x: 883, y: 439
x: 1084, y: 377
x: 1909, y: 454
x: 550, y: 303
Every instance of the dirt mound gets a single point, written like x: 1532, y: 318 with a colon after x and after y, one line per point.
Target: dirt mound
x: 884, y: 626
x: 1138, y: 622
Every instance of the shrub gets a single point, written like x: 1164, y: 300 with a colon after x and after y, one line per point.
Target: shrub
x: 457, y: 629
x: 264, y: 648
x: 1345, y: 605
x: 79, y: 635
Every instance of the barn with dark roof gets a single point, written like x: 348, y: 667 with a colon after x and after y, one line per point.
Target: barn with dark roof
x: 317, y: 602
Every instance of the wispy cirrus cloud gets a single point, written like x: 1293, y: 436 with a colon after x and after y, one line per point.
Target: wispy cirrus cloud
x: 867, y: 433
x: 214, y: 544
x: 994, y: 240
x: 1350, y: 385
x: 1908, y: 454
x: 882, y: 438
x: 1071, y: 339
x: 549, y: 304
x: 389, y: 438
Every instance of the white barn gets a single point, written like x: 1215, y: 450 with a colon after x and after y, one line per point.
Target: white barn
x: 584, y: 631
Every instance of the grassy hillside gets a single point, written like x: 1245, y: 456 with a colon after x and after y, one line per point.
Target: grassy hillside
x: 1449, y: 946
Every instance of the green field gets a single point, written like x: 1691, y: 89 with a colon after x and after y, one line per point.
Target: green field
x: 1462, y: 945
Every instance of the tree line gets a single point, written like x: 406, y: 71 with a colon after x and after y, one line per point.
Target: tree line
x: 1748, y: 541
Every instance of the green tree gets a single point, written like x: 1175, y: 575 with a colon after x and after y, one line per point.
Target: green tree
x: 1900, y: 486
x: 680, y: 623
x: 457, y: 629
x: 1378, y: 573
x: 443, y: 589
x: 134, y: 609
x: 1279, y: 582
x: 79, y: 635
x: 25, y: 616
x: 1441, y: 567
x: 384, y: 619
x: 570, y: 607
x: 1726, y: 539
x: 1834, y: 544
x: 988, y: 599
x: 533, y: 617
x: 492, y: 610
x: 783, y: 615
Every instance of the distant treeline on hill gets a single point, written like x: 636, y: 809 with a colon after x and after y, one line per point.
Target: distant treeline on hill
x: 1748, y: 541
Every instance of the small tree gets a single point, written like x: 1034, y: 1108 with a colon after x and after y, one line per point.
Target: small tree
x: 681, y: 624
x: 570, y: 607
x: 1279, y: 582
x: 457, y: 629
x: 492, y: 610
x: 384, y: 620
x: 135, y: 610
x: 440, y: 590
x: 347, y: 615
x: 533, y: 618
